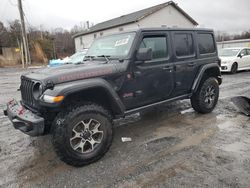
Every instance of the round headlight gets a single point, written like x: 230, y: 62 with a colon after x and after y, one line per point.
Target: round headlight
x: 37, y: 90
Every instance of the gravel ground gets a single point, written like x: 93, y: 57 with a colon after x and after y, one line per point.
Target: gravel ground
x: 171, y: 147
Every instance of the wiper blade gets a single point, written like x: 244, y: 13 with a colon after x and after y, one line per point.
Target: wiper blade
x: 105, y: 56
x: 88, y: 57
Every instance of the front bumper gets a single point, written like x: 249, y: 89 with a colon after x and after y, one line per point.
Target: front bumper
x: 225, y: 68
x: 24, y: 119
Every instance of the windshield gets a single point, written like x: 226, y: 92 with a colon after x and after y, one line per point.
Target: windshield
x: 112, y: 46
x: 228, y: 52
x: 77, y: 57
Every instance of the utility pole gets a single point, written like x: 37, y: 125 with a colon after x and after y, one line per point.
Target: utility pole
x: 24, y: 34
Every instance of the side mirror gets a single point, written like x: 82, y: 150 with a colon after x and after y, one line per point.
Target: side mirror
x: 144, y: 54
x: 240, y: 55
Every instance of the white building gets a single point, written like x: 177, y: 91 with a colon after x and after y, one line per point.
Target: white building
x: 234, y: 43
x: 168, y: 14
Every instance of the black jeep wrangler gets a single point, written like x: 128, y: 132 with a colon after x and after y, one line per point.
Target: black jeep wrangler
x: 121, y: 74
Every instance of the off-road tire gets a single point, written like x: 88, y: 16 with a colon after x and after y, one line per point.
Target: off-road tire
x: 63, y: 126
x: 198, y: 98
x: 234, y: 68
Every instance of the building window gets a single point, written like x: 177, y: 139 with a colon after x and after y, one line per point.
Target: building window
x: 163, y: 25
x: 101, y: 33
x: 121, y: 29
x: 81, y: 41
x: 94, y: 35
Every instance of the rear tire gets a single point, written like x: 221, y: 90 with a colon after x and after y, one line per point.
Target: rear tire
x: 234, y: 68
x: 206, y: 97
x: 82, y: 134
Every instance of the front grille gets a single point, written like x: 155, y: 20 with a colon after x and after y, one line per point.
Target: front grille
x: 26, y: 91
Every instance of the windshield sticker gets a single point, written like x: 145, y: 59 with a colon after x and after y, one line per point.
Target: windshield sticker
x: 122, y: 42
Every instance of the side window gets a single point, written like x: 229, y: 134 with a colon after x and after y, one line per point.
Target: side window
x: 184, y: 45
x: 158, y: 44
x: 243, y: 52
x: 248, y: 51
x: 206, y: 43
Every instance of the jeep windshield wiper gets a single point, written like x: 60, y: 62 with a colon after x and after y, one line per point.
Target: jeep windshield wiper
x: 90, y: 57
x: 105, y: 56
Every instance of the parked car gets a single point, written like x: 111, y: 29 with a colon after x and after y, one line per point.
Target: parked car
x: 121, y: 74
x: 234, y: 59
x: 75, y: 58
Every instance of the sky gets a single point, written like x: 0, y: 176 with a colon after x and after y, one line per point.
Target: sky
x: 220, y: 15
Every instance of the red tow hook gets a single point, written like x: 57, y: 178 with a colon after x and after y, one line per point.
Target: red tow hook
x: 21, y: 111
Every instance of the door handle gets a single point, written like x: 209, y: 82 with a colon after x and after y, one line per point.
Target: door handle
x: 168, y: 68
x: 138, y: 92
x: 191, y: 64
x: 137, y: 74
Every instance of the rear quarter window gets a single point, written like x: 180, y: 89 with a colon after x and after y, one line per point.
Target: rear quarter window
x: 206, y: 43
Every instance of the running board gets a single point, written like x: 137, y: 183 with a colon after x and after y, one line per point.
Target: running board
x: 146, y: 107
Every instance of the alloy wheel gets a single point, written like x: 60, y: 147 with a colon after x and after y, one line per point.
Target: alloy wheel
x: 209, y: 95
x: 86, y: 136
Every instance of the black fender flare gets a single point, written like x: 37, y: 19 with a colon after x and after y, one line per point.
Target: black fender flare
x: 68, y: 88
x: 202, y: 71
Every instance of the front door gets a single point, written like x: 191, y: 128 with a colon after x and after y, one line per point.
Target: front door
x: 152, y: 80
x: 248, y: 58
x: 244, y: 60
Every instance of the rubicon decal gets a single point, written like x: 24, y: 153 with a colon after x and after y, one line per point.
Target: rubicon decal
x: 78, y: 76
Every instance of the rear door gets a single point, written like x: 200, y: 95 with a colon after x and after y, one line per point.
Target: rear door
x: 184, y: 60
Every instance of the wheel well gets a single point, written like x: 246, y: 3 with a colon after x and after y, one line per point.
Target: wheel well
x: 96, y: 95
x: 213, y: 72
x: 235, y: 63
x: 210, y: 72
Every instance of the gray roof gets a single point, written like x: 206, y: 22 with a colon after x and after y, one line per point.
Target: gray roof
x: 133, y: 17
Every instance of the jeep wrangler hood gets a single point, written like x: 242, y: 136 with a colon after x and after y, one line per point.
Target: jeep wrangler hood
x: 72, y: 72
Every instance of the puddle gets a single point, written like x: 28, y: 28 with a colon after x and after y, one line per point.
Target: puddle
x: 227, y: 126
x: 236, y: 147
x: 160, y: 143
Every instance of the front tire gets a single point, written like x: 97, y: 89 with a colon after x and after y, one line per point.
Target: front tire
x: 83, y: 134
x: 206, y: 97
x: 234, y: 68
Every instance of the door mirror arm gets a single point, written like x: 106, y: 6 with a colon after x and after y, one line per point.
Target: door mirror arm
x: 143, y: 54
